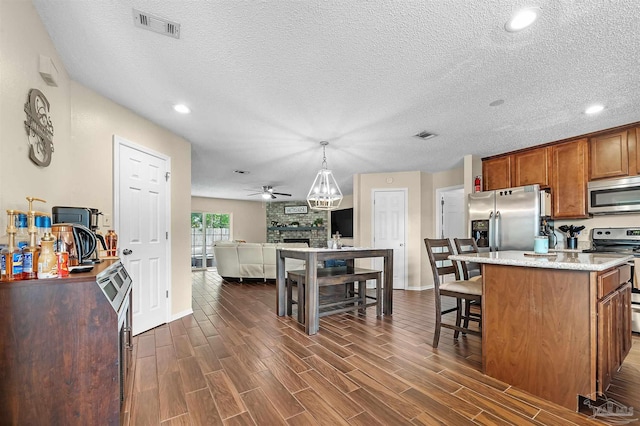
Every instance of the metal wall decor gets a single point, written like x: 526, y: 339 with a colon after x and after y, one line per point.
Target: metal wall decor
x: 39, y: 128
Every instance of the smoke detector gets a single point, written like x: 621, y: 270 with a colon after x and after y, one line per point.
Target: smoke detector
x: 425, y: 135
x: 156, y: 24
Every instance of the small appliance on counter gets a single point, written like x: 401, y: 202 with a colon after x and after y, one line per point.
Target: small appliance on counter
x: 87, y: 219
x: 76, y: 240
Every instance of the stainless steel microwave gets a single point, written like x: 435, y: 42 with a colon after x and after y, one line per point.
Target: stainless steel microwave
x: 614, y: 196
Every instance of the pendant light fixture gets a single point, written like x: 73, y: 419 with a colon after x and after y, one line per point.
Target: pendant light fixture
x: 324, y: 193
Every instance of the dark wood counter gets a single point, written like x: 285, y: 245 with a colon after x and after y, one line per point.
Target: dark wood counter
x: 59, y: 352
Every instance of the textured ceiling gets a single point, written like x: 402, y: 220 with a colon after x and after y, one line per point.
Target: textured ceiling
x: 268, y: 80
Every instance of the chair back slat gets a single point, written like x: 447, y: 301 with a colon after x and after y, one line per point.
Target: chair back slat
x: 447, y: 267
x: 465, y: 246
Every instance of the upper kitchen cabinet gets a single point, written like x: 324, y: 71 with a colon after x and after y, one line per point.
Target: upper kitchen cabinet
x: 570, y: 170
x: 634, y: 151
x: 531, y: 167
x: 497, y: 173
x: 609, y: 155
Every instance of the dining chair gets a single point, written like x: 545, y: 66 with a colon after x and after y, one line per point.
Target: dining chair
x: 470, y: 271
x: 466, y: 291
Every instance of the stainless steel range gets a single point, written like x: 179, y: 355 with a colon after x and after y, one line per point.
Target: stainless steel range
x: 622, y: 241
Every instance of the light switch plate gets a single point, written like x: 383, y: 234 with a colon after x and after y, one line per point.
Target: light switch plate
x: 106, y: 221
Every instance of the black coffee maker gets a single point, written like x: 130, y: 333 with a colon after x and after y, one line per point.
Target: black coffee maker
x: 85, y: 216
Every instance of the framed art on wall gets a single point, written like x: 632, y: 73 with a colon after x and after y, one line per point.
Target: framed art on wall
x: 295, y: 210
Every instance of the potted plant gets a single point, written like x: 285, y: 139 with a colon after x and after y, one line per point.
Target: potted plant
x: 318, y: 222
x: 294, y: 224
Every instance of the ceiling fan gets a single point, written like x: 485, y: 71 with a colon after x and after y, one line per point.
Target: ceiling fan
x: 268, y: 194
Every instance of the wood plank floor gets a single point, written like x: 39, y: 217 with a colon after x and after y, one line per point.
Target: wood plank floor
x: 234, y: 362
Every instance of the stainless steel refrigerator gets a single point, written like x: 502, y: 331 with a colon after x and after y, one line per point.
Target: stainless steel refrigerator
x: 506, y: 219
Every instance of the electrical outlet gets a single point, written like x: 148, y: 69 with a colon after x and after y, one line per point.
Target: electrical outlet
x: 106, y: 221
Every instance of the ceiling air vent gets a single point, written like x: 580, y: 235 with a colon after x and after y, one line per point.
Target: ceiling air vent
x: 156, y: 24
x: 425, y: 135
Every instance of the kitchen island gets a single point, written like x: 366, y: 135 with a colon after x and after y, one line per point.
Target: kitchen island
x: 557, y: 326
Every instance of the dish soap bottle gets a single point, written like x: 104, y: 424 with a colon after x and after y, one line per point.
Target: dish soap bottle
x: 48, y: 261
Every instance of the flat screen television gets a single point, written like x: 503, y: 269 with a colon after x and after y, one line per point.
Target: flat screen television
x: 342, y: 222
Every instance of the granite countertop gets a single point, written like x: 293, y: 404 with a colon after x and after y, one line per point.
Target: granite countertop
x: 557, y: 260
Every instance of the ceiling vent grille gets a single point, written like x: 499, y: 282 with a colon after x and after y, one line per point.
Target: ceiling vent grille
x: 156, y: 24
x: 425, y: 135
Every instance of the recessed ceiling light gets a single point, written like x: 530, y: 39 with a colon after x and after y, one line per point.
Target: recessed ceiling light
x: 497, y: 102
x: 594, y: 109
x: 181, y: 108
x: 522, y: 19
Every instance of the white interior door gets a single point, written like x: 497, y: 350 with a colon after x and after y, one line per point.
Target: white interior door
x: 141, y: 215
x: 451, y: 213
x: 389, y: 230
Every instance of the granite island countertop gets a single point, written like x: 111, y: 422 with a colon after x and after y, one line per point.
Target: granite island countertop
x: 556, y: 260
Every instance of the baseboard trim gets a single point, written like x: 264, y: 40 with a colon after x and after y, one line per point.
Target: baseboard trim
x: 421, y: 288
x: 181, y: 314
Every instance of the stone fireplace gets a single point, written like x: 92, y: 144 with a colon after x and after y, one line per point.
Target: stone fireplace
x: 296, y: 227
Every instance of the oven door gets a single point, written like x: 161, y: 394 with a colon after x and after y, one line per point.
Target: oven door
x: 125, y: 345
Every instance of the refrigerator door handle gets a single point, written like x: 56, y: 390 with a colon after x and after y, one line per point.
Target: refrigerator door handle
x: 492, y: 227
x: 497, y: 230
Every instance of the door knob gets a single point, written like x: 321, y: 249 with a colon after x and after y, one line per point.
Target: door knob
x: 126, y: 252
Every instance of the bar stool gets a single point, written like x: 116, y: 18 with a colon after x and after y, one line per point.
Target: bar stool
x: 439, y: 250
x: 470, y: 271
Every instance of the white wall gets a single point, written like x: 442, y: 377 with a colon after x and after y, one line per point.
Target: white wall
x: 248, y: 218
x: 364, y: 184
x: 84, y: 123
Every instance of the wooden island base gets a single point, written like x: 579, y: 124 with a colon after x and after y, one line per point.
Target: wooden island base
x: 540, y: 329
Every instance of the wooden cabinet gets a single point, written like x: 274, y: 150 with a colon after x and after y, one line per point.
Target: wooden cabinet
x: 614, y: 333
x: 565, y: 167
x: 634, y: 151
x: 519, y: 169
x: 609, y: 156
x: 625, y: 323
x: 497, y: 173
x: 60, y: 352
x: 555, y: 333
x: 569, y: 179
x: 531, y: 167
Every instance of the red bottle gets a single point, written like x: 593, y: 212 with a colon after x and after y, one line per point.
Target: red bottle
x: 477, y: 184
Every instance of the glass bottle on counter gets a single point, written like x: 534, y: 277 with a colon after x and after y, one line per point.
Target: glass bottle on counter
x: 11, y: 260
x: 48, y: 261
x: 111, y: 240
x: 22, y: 236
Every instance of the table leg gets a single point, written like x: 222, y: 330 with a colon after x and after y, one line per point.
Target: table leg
x: 379, y: 295
x: 387, y: 305
x: 280, y: 285
x: 311, y: 294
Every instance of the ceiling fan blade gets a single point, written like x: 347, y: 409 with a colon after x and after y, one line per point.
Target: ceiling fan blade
x: 281, y: 193
x: 255, y: 193
x: 273, y: 197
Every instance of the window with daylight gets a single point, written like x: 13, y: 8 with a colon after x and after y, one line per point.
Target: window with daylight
x: 206, y: 229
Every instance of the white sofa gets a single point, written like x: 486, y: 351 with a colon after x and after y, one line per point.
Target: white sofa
x: 252, y: 260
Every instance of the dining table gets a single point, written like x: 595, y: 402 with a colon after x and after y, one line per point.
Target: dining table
x: 314, y: 258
